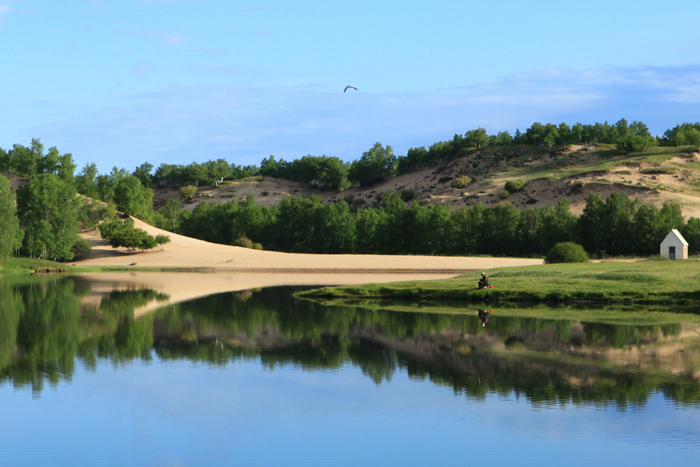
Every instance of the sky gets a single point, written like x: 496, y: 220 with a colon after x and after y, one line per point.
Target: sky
x: 122, y: 82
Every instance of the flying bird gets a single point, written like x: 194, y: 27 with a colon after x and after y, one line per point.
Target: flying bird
x: 349, y: 87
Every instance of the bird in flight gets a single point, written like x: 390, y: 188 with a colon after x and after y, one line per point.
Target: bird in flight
x: 349, y: 87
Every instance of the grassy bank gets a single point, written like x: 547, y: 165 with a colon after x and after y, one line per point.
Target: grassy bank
x: 24, y: 265
x: 661, y: 282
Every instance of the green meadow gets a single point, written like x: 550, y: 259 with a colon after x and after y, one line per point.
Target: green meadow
x: 643, y: 282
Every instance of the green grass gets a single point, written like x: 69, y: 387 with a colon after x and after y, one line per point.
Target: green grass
x: 24, y: 265
x: 647, y: 282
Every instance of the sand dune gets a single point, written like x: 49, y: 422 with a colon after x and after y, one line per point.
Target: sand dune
x: 189, y: 253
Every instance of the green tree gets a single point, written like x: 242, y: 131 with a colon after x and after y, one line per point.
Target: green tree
x: 500, y: 229
x: 85, y: 181
x: 124, y: 234
x: 143, y: 173
x: 10, y: 233
x: 551, y: 136
x: 133, y: 198
x: 476, y: 138
x: 691, y: 233
x: 66, y: 168
x: 27, y: 161
x: 47, y: 209
x: 374, y: 165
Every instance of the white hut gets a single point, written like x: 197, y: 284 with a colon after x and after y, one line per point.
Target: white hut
x: 674, y: 246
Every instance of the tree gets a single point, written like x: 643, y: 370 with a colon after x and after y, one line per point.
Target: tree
x: 124, y: 234
x: 551, y: 136
x: 66, y: 168
x: 476, y: 138
x: 500, y: 229
x: 47, y: 208
x: 634, y: 143
x: 170, y: 213
x: 691, y: 232
x: 26, y: 161
x: 10, y: 233
x: 133, y: 198
x: 85, y: 181
x: 143, y: 173
x: 374, y: 165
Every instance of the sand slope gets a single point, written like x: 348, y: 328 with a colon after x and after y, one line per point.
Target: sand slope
x: 185, y: 252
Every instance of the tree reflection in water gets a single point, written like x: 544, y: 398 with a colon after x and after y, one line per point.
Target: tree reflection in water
x: 46, y: 325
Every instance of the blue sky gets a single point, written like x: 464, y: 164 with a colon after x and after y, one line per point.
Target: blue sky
x: 122, y: 82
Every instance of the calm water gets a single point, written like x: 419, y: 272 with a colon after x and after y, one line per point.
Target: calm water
x: 260, y: 378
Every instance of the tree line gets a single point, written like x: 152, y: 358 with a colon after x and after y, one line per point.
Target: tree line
x: 617, y: 226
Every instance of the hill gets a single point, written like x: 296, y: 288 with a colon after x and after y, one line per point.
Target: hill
x: 654, y: 176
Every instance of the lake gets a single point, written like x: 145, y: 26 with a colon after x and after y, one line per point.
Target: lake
x: 111, y: 370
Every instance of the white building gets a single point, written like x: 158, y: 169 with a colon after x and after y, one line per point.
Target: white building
x: 674, y: 246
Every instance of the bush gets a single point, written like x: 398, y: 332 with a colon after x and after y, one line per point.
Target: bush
x: 408, y: 195
x: 125, y: 235
x: 514, y: 185
x: 503, y: 194
x: 162, y: 240
x: 461, y: 182
x: 81, y: 248
x: 567, y: 252
x: 244, y: 242
x: 187, y: 192
x: 635, y: 143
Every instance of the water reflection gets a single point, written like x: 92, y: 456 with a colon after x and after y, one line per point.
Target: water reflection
x: 47, y: 325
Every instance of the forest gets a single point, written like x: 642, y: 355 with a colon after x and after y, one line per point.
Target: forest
x: 46, y: 219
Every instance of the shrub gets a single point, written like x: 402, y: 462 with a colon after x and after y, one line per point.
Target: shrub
x: 162, y: 240
x: 187, y: 192
x: 461, y: 182
x: 658, y: 170
x: 244, y: 242
x: 567, y: 252
x: 408, y: 195
x: 635, y: 143
x: 503, y: 194
x: 81, y: 248
x: 124, y: 234
x: 514, y: 185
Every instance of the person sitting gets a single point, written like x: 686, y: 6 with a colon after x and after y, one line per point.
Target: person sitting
x: 483, y: 282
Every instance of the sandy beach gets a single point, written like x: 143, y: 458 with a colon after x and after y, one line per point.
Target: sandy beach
x: 188, y: 253
x: 208, y: 268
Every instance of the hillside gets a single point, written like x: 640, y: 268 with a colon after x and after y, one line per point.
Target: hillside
x: 657, y: 175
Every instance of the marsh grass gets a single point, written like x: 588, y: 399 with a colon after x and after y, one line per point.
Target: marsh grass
x: 660, y: 282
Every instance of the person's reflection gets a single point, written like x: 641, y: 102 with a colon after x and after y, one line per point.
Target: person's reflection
x: 484, y: 316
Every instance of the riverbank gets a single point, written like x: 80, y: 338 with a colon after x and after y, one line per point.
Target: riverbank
x: 615, y: 282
